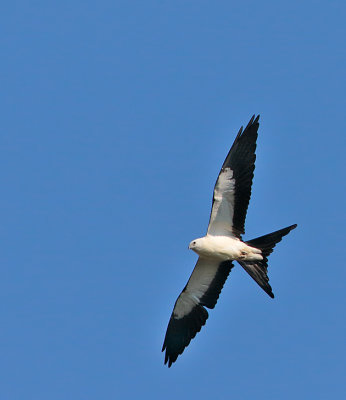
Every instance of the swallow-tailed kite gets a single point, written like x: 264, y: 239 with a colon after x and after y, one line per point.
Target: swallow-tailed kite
x: 221, y: 245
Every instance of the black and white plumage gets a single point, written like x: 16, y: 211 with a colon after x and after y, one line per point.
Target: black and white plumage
x: 221, y: 245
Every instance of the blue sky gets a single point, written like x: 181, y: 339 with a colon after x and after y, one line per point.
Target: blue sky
x: 116, y: 117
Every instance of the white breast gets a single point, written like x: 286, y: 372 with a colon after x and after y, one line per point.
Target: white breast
x: 226, y: 248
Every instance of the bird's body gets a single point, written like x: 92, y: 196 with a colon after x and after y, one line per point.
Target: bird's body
x: 225, y: 248
x: 222, y: 244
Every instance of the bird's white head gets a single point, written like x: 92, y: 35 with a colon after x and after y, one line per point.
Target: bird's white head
x: 196, y: 245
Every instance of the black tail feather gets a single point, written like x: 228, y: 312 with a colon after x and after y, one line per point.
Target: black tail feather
x: 258, y: 269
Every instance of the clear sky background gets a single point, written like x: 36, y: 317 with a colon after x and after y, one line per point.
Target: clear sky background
x: 116, y: 117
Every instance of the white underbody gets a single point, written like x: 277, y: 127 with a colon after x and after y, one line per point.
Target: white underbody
x: 225, y: 248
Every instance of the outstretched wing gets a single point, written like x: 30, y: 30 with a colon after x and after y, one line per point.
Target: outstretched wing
x: 232, y: 190
x: 189, y: 315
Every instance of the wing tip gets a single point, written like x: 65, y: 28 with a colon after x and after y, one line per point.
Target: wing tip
x: 268, y: 289
x: 239, y: 132
x: 181, y: 331
x: 253, y: 120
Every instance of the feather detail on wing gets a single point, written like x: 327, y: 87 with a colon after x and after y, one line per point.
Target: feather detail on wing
x: 189, y: 315
x: 232, y: 190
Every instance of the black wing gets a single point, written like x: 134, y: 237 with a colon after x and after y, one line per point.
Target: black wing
x: 189, y: 314
x: 232, y: 190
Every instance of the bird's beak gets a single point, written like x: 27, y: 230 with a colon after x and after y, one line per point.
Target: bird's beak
x: 189, y: 247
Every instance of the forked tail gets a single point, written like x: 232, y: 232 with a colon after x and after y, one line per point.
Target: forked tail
x: 258, y: 269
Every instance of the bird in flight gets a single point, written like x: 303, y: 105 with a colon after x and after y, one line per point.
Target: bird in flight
x: 221, y: 245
